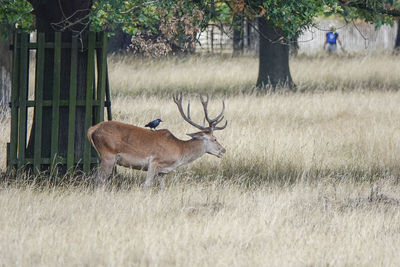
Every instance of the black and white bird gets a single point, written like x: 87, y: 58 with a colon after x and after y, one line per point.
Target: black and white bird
x: 153, y: 124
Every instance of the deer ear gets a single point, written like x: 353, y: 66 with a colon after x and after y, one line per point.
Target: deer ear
x: 196, y: 135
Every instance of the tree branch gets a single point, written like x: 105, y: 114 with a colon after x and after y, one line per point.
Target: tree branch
x: 364, y: 6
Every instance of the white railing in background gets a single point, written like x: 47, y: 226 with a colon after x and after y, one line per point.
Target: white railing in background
x: 355, y: 36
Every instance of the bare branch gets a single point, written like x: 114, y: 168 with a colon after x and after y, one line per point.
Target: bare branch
x: 363, y: 5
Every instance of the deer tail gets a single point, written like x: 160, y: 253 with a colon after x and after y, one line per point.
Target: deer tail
x: 90, y: 132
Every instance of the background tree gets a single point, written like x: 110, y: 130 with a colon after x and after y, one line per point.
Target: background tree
x: 397, y: 42
x: 5, y: 69
x: 175, y: 33
x: 119, y: 42
x: 238, y: 28
x: 158, y: 28
x: 395, y: 4
x: 12, y: 14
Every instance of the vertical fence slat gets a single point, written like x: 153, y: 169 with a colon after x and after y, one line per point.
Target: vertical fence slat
x: 14, y: 103
x: 72, y: 103
x: 56, y: 97
x: 23, y: 83
x: 89, y: 97
x: 95, y: 106
x: 97, y: 75
x: 101, y: 84
x: 108, y: 97
x: 39, y: 101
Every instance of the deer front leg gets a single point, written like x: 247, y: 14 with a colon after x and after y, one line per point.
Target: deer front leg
x: 105, y: 169
x: 152, y: 171
x: 161, y: 180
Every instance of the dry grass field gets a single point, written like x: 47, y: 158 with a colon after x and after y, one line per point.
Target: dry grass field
x: 234, y: 76
x: 310, y: 178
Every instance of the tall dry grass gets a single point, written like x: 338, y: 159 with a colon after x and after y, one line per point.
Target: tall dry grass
x: 309, y: 178
x: 288, y: 137
x: 203, y: 224
x: 233, y: 76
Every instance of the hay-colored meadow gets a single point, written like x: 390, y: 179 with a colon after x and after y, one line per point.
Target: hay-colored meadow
x: 309, y: 177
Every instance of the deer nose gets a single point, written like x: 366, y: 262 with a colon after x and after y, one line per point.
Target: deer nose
x: 223, y: 150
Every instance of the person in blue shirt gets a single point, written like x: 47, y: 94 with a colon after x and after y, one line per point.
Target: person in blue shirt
x: 331, y: 38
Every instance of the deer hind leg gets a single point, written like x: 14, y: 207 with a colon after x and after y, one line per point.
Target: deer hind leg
x: 105, y: 169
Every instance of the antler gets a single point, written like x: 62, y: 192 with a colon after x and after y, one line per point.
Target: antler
x: 212, y: 122
x: 178, y: 102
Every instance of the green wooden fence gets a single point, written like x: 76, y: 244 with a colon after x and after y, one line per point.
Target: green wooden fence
x: 97, y: 98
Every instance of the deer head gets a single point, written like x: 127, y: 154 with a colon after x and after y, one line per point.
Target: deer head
x: 205, y: 134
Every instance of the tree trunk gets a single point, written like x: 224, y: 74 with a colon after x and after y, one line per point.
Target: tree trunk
x: 273, y: 57
x: 120, y: 42
x: 5, y: 70
x: 237, y: 35
x: 212, y: 38
x: 46, y: 15
x: 397, y: 43
x: 248, y: 35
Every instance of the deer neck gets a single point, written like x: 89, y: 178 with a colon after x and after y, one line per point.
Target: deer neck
x: 192, y: 150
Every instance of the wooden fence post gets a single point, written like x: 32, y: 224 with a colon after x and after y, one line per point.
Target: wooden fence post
x: 89, y: 99
x: 12, y: 161
x: 23, y: 95
x: 56, y: 100
x: 72, y: 104
x: 39, y: 102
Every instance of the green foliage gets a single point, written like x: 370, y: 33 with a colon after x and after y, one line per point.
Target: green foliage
x: 376, y: 12
x: 292, y: 17
x: 16, y: 13
x: 221, y: 12
x: 133, y: 16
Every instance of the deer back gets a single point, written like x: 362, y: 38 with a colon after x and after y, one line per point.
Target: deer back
x: 119, y: 138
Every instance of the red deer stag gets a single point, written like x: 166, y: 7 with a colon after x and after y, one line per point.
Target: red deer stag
x: 157, y: 152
